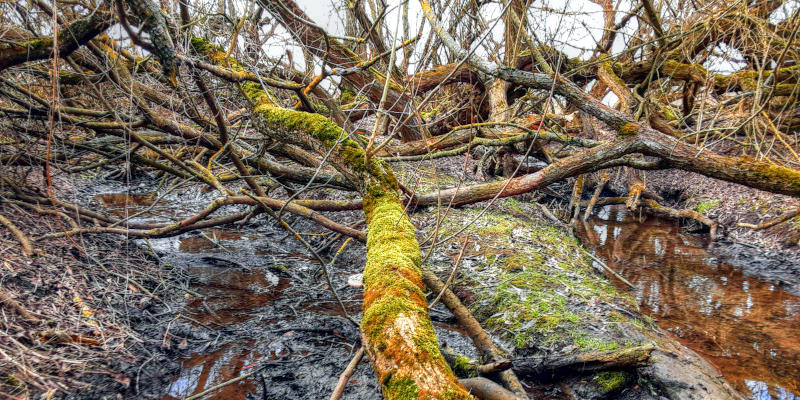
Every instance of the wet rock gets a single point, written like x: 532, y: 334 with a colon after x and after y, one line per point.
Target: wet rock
x: 543, y: 298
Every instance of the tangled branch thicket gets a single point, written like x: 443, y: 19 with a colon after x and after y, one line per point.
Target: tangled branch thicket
x: 275, y: 113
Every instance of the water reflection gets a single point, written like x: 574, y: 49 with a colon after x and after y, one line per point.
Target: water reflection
x: 125, y: 204
x: 232, y: 295
x: 210, y: 241
x: 205, y: 371
x: 746, y: 327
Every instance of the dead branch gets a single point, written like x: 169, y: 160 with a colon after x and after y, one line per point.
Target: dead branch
x: 633, y: 357
x: 775, y: 221
x: 23, y: 240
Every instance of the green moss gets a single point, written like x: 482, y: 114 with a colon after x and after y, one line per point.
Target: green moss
x: 617, y: 317
x: 347, y: 94
x: 670, y: 114
x: 11, y: 380
x: 203, y: 46
x: 452, y: 394
x: 683, y: 71
x: 514, y: 205
x: 588, y: 343
x: 774, y: 173
x: 400, y: 388
x: 536, y: 282
x: 430, y: 114
x: 704, y: 206
x: 462, y: 366
x: 515, y: 263
x: 611, y: 381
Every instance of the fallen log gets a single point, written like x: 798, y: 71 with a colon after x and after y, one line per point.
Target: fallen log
x: 626, y: 358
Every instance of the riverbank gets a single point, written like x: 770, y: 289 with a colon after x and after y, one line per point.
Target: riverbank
x: 730, y: 205
x: 82, y: 317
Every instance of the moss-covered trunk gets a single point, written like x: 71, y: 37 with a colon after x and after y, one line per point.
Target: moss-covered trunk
x: 396, y: 329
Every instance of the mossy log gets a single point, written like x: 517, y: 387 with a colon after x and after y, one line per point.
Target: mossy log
x: 71, y: 38
x: 396, y: 329
x: 625, y: 358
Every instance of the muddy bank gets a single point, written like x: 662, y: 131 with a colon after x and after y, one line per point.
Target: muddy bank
x: 83, y: 317
x: 778, y: 266
x: 247, y: 301
x: 256, y: 306
x: 730, y: 204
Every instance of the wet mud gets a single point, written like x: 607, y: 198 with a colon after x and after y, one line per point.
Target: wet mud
x: 256, y: 307
x: 738, y: 315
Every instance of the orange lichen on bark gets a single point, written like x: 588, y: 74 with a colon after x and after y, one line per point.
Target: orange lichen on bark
x: 628, y: 129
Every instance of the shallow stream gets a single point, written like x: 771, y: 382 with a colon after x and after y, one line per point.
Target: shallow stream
x: 747, y: 327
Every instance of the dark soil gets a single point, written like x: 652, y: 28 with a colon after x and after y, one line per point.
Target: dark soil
x: 221, y: 303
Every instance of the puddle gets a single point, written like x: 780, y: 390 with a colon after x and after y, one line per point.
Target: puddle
x: 128, y: 204
x: 264, y: 307
x: 123, y: 200
x: 207, y: 370
x: 746, y: 327
x: 232, y: 295
x: 210, y: 241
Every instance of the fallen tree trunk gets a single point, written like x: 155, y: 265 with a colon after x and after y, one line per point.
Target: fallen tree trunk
x: 757, y: 174
x: 627, y: 358
x: 396, y: 329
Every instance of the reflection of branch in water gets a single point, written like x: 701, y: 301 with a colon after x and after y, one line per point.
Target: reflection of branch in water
x: 746, y: 327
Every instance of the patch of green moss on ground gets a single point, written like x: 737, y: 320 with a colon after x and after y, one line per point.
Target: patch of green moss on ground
x: 588, y: 343
x: 611, y: 381
x: 514, y: 205
x: 704, y: 206
x: 515, y: 263
x: 617, y: 317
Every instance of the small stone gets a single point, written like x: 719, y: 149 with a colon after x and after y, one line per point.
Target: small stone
x: 356, y: 281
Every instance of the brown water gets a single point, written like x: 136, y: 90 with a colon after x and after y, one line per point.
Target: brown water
x: 206, y: 370
x: 231, y: 296
x: 747, y: 328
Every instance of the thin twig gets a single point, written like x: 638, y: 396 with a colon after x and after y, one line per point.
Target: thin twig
x: 345, y: 376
